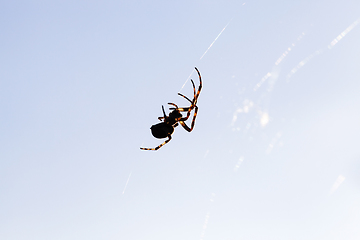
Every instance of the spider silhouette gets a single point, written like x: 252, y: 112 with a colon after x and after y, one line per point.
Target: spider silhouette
x: 166, y: 128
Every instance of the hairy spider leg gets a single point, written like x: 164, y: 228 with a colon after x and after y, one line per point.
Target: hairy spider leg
x: 192, y: 103
x: 173, y: 104
x: 162, y: 106
x: 183, y: 124
x: 188, y: 109
x: 184, y: 109
x: 200, y: 87
x: 196, y: 95
x: 164, y: 117
x: 181, y: 109
x: 192, y: 82
x: 185, y: 97
x: 156, y: 148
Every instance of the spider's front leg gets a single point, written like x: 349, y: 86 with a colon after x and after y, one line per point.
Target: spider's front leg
x: 185, y: 109
x: 164, y: 117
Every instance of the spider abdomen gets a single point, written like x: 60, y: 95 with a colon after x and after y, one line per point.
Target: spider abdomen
x: 161, y: 130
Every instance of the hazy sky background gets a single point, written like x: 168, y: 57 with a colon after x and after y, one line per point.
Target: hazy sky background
x: 275, y: 150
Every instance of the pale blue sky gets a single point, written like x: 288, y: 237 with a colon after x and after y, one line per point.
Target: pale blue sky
x: 275, y: 150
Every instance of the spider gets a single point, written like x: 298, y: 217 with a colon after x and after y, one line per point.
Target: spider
x: 166, y: 128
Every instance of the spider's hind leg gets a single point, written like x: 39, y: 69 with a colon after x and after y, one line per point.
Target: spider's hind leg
x: 156, y: 148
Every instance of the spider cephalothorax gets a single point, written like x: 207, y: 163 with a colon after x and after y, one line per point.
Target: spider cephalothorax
x: 166, y: 128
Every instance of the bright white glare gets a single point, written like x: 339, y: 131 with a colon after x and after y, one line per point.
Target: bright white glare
x: 302, y: 63
x: 288, y: 50
x: 263, y: 79
x: 274, y: 74
x: 205, y: 225
x: 341, y: 35
x: 274, y: 77
x: 264, y: 118
x: 241, y: 159
x: 330, y: 46
x: 247, y: 105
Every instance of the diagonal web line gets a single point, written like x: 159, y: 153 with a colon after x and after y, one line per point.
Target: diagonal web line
x: 216, y: 38
x: 126, y: 183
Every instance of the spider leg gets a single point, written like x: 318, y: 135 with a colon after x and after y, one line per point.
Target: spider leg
x: 164, y: 117
x: 189, y: 108
x: 194, y: 101
x: 183, y: 124
x: 156, y: 148
x: 173, y: 104
x: 181, y: 109
x: 192, y: 82
x: 200, y: 87
x: 185, y: 97
x: 188, y: 113
x: 164, y: 111
x: 196, y: 94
